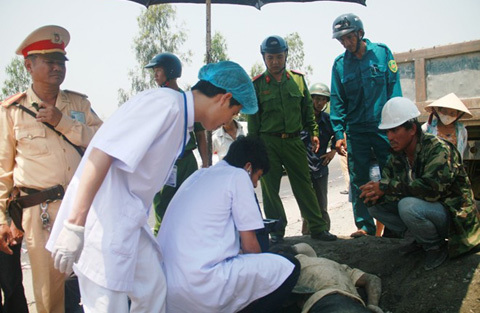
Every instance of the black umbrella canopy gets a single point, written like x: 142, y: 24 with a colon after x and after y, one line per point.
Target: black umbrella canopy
x: 256, y: 3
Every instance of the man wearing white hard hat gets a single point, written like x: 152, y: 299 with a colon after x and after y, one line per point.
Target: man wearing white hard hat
x: 424, y: 189
x: 444, y: 120
x: 44, y: 132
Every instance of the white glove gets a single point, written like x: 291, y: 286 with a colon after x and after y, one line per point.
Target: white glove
x: 374, y: 308
x: 68, y: 247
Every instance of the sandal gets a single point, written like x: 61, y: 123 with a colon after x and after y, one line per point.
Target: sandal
x: 359, y: 233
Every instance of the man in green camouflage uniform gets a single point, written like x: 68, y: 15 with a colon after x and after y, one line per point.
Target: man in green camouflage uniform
x: 285, y: 108
x: 424, y: 189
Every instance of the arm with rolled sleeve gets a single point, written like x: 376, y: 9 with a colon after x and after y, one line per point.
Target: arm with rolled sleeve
x: 7, y: 162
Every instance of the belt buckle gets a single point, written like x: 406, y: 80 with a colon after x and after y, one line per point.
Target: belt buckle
x: 284, y: 136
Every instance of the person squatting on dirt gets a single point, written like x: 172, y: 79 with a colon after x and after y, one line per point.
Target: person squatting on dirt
x: 212, y: 217
x: 424, y: 189
x: 101, y: 229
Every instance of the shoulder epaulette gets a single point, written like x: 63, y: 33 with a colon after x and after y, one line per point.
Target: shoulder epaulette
x: 341, y: 56
x: 297, y: 72
x: 12, y: 99
x: 76, y: 93
x: 384, y: 46
x: 257, y: 77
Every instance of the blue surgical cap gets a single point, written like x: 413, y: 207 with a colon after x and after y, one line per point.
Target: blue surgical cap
x: 232, y: 77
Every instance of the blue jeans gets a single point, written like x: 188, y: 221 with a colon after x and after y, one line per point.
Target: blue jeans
x: 338, y: 303
x: 426, y: 221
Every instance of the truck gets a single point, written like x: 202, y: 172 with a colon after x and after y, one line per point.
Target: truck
x: 431, y: 73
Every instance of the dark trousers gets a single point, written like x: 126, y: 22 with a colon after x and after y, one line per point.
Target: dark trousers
x: 320, y: 186
x: 337, y: 303
x: 11, y: 278
x: 72, y: 295
x: 360, y: 147
x: 274, y: 301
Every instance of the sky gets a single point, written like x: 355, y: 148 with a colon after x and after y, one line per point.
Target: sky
x: 102, y: 32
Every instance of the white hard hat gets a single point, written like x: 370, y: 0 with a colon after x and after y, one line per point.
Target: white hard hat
x: 320, y: 89
x: 450, y: 101
x: 397, y: 111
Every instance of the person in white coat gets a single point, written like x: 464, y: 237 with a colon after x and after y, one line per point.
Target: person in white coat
x: 102, y: 223
x: 223, y: 137
x: 212, y: 258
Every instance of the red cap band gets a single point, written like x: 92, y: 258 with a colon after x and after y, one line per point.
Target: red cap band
x: 44, y: 46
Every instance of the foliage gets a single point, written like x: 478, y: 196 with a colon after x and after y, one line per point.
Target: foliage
x: 296, y: 54
x: 218, y: 49
x: 17, y: 80
x: 256, y: 69
x: 157, y: 33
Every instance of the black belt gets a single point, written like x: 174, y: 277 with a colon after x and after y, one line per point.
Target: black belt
x: 35, y: 197
x: 285, y: 135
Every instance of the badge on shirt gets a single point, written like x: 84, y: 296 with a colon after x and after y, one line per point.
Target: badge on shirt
x: 78, y: 116
x: 392, y: 65
x: 172, y: 179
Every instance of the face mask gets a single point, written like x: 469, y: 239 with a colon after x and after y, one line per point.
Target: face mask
x: 446, y: 119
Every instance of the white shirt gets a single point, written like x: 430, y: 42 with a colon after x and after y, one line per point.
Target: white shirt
x: 221, y: 140
x: 199, y: 237
x: 144, y: 136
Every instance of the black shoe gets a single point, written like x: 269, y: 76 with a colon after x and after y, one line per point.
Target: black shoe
x: 324, y: 235
x: 435, y: 257
x: 410, y: 248
x: 344, y: 192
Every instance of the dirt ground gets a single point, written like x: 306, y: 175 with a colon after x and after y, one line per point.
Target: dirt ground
x: 454, y: 287
x: 406, y: 286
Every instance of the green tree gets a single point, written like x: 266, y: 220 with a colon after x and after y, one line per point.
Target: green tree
x: 158, y: 33
x: 256, y: 69
x: 18, y: 79
x: 218, y: 49
x: 296, y: 54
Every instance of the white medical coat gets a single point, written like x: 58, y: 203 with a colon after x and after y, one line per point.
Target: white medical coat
x: 200, y: 243
x: 144, y: 136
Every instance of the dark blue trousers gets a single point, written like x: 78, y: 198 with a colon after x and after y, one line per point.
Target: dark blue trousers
x: 11, y: 282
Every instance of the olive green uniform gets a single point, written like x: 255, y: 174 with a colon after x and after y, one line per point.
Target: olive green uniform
x: 285, y: 108
x: 186, y: 165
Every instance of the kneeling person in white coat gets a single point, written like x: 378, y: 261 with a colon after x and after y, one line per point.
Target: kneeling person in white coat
x: 212, y: 217
x: 106, y: 206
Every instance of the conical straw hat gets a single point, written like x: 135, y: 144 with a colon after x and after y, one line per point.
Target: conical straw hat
x: 450, y: 101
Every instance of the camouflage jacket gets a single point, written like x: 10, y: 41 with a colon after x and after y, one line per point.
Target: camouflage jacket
x: 437, y: 174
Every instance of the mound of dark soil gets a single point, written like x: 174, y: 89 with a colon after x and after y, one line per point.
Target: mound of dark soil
x: 407, y: 287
